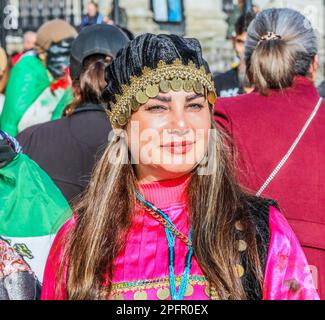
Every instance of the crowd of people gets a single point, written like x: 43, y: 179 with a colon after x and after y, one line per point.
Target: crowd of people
x: 129, y: 171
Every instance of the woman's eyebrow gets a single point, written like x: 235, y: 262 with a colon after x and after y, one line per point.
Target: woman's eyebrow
x: 193, y: 97
x: 163, y: 98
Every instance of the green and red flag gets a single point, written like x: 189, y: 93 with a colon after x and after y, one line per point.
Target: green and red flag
x: 32, y: 210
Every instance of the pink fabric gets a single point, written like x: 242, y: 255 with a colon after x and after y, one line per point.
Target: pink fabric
x: 287, y: 275
x: 49, y: 291
x: 146, y: 252
x: 145, y: 255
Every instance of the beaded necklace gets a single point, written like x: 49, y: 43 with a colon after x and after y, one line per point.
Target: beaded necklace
x: 171, y: 233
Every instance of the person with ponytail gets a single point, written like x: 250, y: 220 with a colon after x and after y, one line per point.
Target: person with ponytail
x: 278, y: 129
x: 163, y: 217
x: 80, y: 136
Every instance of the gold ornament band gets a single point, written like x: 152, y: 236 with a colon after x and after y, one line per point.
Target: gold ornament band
x: 165, y: 77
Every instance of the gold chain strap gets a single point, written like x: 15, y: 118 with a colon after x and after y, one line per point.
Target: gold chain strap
x: 165, y: 224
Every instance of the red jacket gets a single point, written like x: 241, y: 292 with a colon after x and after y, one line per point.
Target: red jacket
x: 263, y: 129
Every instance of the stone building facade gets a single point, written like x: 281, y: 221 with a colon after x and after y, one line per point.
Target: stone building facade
x: 204, y: 19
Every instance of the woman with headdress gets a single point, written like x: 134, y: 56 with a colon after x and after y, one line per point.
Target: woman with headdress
x: 163, y: 217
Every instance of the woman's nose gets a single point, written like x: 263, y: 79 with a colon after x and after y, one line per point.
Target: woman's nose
x: 179, y: 123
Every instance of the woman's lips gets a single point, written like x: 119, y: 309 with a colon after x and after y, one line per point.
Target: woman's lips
x: 179, y: 147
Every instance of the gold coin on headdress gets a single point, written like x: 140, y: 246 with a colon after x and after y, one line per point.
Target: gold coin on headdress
x: 152, y: 91
x: 122, y: 120
x: 239, y: 270
x: 118, y: 297
x: 140, y: 295
x: 164, y: 86
x: 163, y: 293
x: 188, y: 85
x: 141, y: 97
x: 242, y: 245
x: 134, y: 105
x: 176, y: 84
x: 189, y: 291
x: 212, y: 97
x: 198, y: 87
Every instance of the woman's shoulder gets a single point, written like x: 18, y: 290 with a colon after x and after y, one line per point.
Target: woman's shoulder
x: 259, y: 211
x: 55, y: 259
x: 267, y: 217
x: 259, y: 208
x: 61, y: 238
x: 67, y: 227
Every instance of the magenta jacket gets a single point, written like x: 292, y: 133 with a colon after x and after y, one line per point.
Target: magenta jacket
x: 141, y: 268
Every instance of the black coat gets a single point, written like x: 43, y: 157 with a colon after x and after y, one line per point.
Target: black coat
x: 68, y: 148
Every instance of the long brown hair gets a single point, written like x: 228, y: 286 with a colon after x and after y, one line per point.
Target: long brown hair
x: 88, y: 88
x: 105, y: 214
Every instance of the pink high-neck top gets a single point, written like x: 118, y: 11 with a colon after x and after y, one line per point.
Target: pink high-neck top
x: 141, y: 268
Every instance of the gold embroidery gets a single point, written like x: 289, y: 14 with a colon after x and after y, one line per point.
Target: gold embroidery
x: 146, y: 85
x: 162, y: 285
x: 123, y: 287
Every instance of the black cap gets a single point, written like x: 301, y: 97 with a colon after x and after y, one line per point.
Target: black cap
x: 96, y: 39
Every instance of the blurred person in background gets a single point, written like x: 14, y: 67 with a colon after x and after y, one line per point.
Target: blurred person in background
x: 82, y: 135
x: 279, y: 128
x: 128, y: 32
x: 4, y: 75
x: 234, y: 82
x: 121, y: 20
x: 92, y: 17
x: 238, y: 9
x: 29, y: 41
x: 39, y: 86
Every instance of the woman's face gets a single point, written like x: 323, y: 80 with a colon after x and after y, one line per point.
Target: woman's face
x: 168, y: 136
